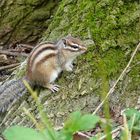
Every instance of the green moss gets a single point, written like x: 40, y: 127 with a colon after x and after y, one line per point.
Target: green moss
x: 25, y: 21
x: 113, y: 25
x: 30, y: 2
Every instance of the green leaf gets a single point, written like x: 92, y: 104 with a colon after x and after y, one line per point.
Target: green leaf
x: 131, y: 112
x: 72, y: 125
x: 77, y: 122
x: 49, y: 135
x: 22, y: 133
x: 88, y: 122
x: 136, y: 128
x: 93, y: 138
x: 64, y: 135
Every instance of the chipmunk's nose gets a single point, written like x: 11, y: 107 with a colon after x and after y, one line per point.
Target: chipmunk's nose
x: 84, y: 49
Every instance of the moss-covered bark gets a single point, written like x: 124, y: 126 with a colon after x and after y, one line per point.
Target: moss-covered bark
x: 110, y: 28
x: 24, y: 20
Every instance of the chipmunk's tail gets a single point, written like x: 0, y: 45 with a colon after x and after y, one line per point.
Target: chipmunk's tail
x: 10, y: 91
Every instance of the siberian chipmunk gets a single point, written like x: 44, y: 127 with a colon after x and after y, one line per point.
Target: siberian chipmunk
x: 48, y: 60
x: 45, y: 63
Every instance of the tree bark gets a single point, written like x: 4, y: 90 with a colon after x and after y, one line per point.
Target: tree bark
x: 110, y: 29
x: 24, y: 20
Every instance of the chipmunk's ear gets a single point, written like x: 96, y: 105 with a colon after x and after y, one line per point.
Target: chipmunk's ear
x: 64, y: 41
x: 69, y: 35
x: 61, y: 43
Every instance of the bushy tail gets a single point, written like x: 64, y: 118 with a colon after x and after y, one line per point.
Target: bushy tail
x: 11, y: 91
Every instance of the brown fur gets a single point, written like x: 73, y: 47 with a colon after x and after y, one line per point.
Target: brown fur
x: 42, y: 73
x: 38, y: 49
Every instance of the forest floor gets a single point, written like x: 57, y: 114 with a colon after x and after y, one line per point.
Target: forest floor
x: 10, y: 59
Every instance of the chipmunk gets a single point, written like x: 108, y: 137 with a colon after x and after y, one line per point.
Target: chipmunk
x: 45, y: 63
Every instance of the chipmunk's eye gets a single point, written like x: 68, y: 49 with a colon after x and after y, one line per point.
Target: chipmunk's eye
x: 75, y: 46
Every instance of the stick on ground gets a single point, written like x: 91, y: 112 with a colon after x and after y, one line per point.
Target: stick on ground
x: 9, y: 66
x: 26, y: 46
x: 120, y: 77
x: 12, y: 53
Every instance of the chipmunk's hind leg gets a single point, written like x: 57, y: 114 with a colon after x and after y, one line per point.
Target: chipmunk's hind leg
x: 50, y: 85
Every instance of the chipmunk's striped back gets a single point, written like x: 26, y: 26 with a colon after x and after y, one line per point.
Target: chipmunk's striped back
x: 40, y: 53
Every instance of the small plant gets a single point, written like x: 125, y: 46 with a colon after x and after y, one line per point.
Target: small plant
x: 131, y: 124
x: 76, y: 122
x: 133, y: 117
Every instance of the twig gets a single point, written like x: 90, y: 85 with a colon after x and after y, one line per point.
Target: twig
x: 83, y: 135
x: 112, y: 132
x: 27, y: 46
x: 129, y: 69
x: 14, y: 50
x: 120, y: 77
x: 103, y: 137
x: 12, y: 53
x: 9, y: 66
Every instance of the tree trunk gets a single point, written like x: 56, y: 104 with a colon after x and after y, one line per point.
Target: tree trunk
x: 24, y: 20
x: 110, y: 29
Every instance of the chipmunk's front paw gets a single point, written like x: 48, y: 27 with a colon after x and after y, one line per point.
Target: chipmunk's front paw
x: 53, y: 87
x: 69, y: 68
